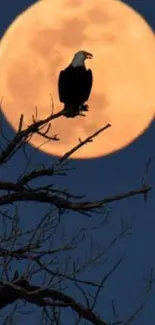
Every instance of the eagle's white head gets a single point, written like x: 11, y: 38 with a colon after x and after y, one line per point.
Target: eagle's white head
x: 80, y: 57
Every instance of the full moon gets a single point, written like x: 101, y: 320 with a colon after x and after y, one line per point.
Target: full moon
x: 42, y: 41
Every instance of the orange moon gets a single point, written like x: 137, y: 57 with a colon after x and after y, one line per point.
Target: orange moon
x: 42, y: 41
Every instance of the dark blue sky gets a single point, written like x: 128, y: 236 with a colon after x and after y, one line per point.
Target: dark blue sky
x: 106, y: 176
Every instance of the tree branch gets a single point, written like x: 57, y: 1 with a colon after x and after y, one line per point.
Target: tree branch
x: 82, y: 143
x: 22, y: 135
x: 20, y: 289
x: 61, y: 203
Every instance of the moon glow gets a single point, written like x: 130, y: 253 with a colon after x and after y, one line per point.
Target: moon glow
x: 42, y: 41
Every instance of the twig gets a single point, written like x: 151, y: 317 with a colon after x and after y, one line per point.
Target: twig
x: 82, y: 143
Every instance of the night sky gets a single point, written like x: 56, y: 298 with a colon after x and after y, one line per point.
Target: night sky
x: 98, y: 178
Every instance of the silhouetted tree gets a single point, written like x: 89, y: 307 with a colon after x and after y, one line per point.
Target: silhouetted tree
x: 39, y: 266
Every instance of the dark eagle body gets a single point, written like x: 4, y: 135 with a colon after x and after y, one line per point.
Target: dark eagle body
x: 74, y: 85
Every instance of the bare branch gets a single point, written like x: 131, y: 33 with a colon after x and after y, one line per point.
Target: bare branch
x: 22, y: 136
x: 21, y: 289
x: 82, y: 143
x: 61, y: 203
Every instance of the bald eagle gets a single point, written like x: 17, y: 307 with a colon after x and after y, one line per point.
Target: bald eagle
x: 74, y: 85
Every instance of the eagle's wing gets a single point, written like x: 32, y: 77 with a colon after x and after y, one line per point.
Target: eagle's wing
x: 62, y: 84
x: 88, y: 84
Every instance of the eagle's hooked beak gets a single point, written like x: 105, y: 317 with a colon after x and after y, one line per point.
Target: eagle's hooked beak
x: 89, y: 55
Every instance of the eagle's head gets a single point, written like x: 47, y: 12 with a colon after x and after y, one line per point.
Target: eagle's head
x: 80, y: 57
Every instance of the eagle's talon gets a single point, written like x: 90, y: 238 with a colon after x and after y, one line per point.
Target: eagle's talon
x: 84, y: 108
